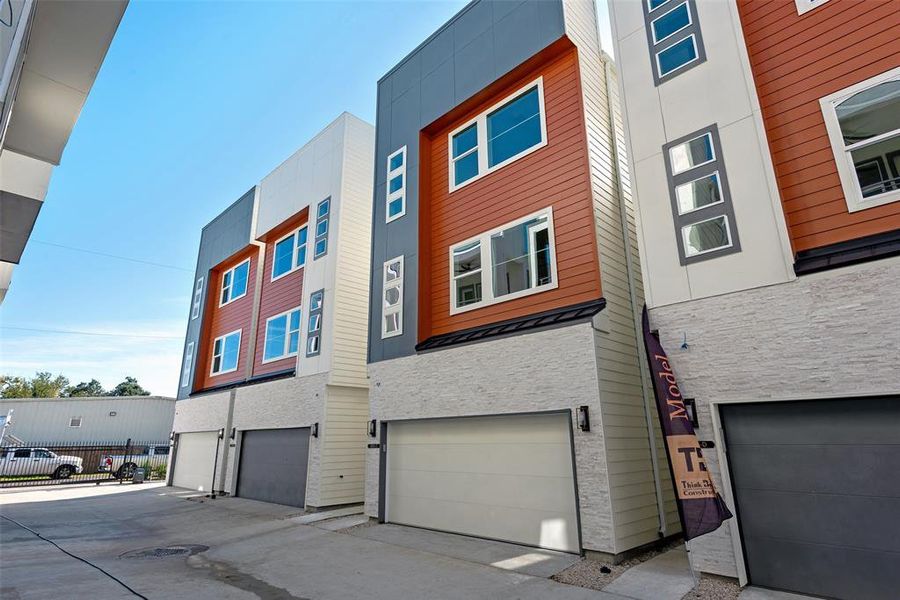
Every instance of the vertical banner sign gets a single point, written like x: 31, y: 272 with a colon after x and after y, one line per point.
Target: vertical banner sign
x: 701, y: 509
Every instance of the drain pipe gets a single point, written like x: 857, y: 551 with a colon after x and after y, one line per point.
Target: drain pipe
x: 636, y: 312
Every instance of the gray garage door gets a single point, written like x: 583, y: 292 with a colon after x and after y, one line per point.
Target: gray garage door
x: 273, y: 465
x: 817, y: 486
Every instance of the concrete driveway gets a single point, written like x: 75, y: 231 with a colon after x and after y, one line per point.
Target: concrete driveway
x: 255, y: 550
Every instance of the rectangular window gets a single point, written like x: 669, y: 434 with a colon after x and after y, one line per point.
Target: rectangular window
x: 673, y: 35
x: 234, y: 283
x: 863, y: 124
x: 807, y: 5
x: 314, y: 326
x: 198, y: 294
x: 321, y: 238
x: 282, y: 335
x: 75, y: 422
x: 395, y: 206
x: 392, y: 297
x: 520, y: 259
x: 290, y: 253
x: 187, y: 365
x: 701, y: 203
x: 226, y: 350
x: 507, y: 131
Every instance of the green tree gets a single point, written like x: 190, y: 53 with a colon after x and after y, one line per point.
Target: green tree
x: 90, y: 388
x: 45, y: 385
x: 14, y: 387
x: 129, y: 387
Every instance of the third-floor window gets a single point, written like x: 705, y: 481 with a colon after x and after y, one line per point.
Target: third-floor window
x: 234, y: 283
x: 289, y: 253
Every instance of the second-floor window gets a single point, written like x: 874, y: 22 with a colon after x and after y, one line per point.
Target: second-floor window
x: 500, y: 135
x: 395, y: 206
x: 282, y: 335
x: 226, y: 350
x: 515, y: 260
x: 234, y: 283
x: 289, y: 253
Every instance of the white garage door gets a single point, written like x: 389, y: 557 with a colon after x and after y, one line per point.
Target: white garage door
x: 506, y: 478
x: 195, y: 460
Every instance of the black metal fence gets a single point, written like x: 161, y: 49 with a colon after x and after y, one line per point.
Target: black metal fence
x: 51, y: 463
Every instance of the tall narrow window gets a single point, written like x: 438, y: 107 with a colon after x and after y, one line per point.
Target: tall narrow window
x: 314, y: 326
x: 515, y: 260
x: 321, y: 234
x: 863, y: 123
x: 673, y: 34
x: 234, y: 283
x: 226, y: 350
x: 282, y: 335
x: 701, y: 203
x: 198, y: 294
x: 396, y: 185
x: 187, y: 365
x: 504, y: 133
x: 392, y: 306
x: 289, y: 253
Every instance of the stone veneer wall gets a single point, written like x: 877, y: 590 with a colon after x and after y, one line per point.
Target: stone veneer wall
x: 829, y: 334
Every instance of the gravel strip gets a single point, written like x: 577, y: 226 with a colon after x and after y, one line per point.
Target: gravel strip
x: 714, y: 587
x: 595, y: 574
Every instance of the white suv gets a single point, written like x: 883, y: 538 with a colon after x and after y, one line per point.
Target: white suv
x: 21, y: 462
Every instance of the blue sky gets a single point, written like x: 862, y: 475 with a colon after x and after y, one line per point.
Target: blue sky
x: 195, y: 103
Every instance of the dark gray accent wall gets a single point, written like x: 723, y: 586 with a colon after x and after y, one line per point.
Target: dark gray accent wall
x: 484, y: 41
x: 17, y: 217
x: 222, y: 237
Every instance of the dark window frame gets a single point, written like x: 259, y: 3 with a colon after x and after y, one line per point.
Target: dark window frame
x: 655, y: 48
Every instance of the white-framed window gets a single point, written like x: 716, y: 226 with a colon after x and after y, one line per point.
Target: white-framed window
x: 187, y: 364
x: 863, y: 123
x: 392, y: 298
x: 289, y: 253
x: 282, y: 335
x: 75, y: 422
x: 314, y: 325
x: 670, y: 22
x: 705, y: 236
x: 673, y: 36
x: 514, y: 260
x: 395, y: 203
x: 320, y: 247
x: 677, y: 56
x: 807, y: 5
x: 507, y: 131
x: 234, y: 283
x: 198, y: 294
x: 226, y: 350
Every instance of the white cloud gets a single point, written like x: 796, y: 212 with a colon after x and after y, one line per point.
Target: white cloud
x: 155, y: 360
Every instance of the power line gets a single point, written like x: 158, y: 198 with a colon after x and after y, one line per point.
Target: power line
x: 69, y: 331
x: 116, y: 256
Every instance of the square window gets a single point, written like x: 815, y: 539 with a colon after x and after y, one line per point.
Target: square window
x: 706, y: 236
x: 321, y: 247
x: 396, y: 161
x: 391, y: 323
x: 395, y: 184
x: 323, y: 209
x: 465, y: 168
x: 395, y: 207
x: 465, y: 140
x: 315, y: 301
x: 321, y: 228
x: 692, y: 153
x: 677, y: 55
x: 315, y: 322
x: 514, y: 128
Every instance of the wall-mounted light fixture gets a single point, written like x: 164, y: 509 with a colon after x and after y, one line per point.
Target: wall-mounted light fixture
x: 372, y: 425
x: 222, y: 434
x: 690, y: 406
x: 112, y: 413
x: 315, y: 430
x: 233, y: 432
x: 584, y: 418
x: 172, y: 436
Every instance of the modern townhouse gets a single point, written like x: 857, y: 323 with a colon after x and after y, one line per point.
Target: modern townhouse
x: 273, y: 398
x: 765, y: 153
x: 50, y: 53
x: 507, y: 397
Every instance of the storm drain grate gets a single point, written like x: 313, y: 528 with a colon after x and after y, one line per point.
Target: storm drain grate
x: 186, y: 550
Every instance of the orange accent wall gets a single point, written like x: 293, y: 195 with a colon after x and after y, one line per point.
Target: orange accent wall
x: 225, y: 319
x: 556, y: 175
x: 796, y: 60
x: 276, y: 297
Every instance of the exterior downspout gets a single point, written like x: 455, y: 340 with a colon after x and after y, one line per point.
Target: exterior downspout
x: 636, y: 312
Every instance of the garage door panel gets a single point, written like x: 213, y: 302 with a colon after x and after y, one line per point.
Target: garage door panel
x: 273, y: 465
x: 195, y: 458
x: 507, y: 478
x: 811, y: 568
x: 819, y: 468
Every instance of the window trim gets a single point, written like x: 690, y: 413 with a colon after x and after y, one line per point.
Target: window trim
x: 326, y: 217
x: 481, y: 144
x: 187, y: 365
x: 287, y: 335
x: 677, y: 70
x: 398, y: 309
x: 692, y: 30
x: 222, y: 287
x: 487, y: 288
x: 804, y: 6
x: 212, y: 361
x: 698, y: 178
x: 717, y: 248
x: 317, y: 333
x: 706, y: 134
x: 80, y: 422
x: 842, y: 153
x: 657, y: 17
x: 400, y: 193
x: 198, y: 296
x: 296, y: 251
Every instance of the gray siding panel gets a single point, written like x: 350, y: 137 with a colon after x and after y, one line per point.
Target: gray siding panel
x: 483, y: 42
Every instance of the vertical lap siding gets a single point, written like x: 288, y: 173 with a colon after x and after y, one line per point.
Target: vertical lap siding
x: 796, y: 60
x: 225, y: 319
x: 555, y: 175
